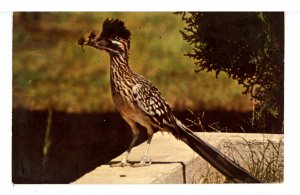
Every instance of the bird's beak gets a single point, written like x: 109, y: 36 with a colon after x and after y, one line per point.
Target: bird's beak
x: 100, y: 44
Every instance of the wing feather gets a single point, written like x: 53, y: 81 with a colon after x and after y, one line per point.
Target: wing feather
x: 150, y: 101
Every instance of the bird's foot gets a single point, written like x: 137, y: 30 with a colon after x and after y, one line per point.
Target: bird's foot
x: 120, y: 164
x: 144, y: 162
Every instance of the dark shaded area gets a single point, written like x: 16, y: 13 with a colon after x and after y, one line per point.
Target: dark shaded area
x: 81, y: 142
x: 228, y: 121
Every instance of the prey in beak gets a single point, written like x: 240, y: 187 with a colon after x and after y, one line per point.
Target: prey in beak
x: 91, y: 41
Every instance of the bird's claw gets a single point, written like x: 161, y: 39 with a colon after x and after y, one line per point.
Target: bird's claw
x: 143, y: 162
x: 120, y: 164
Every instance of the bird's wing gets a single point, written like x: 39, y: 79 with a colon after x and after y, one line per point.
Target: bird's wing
x: 150, y: 101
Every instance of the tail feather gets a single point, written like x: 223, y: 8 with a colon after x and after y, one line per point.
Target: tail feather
x: 212, y: 155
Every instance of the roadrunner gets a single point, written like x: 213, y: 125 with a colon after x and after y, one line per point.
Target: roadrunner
x: 140, y: 102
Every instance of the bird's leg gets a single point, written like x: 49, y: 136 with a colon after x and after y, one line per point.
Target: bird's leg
x: 145, y: 156
x: 124, y: 161
x: 146, y: 161
x: 135, y: 134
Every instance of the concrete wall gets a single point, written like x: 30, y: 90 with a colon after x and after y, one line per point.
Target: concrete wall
x: 173, y: 162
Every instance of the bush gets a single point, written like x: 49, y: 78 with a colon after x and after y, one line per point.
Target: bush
x: 248, y: 47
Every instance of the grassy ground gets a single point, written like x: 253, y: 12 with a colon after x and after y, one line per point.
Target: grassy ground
x: 51, y: 70
x: 264, y: 161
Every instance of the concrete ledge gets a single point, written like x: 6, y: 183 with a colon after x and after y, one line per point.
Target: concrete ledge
x: 173, y: 162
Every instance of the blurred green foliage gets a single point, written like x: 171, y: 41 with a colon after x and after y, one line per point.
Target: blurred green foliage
x: 51, y: 70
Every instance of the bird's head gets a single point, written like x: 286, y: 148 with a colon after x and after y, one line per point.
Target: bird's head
x: 114, y: 38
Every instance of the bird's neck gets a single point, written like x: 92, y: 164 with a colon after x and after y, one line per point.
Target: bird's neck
x: 119, y: 62
x: 119, y: 68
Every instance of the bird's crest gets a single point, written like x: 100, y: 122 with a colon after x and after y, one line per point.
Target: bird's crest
x: 114, y: 28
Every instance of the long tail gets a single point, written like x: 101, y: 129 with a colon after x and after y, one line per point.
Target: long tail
x: 212, y: 155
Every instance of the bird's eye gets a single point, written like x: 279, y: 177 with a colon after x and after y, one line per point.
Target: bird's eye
x: 115, y: 45
x: 113, y: 42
